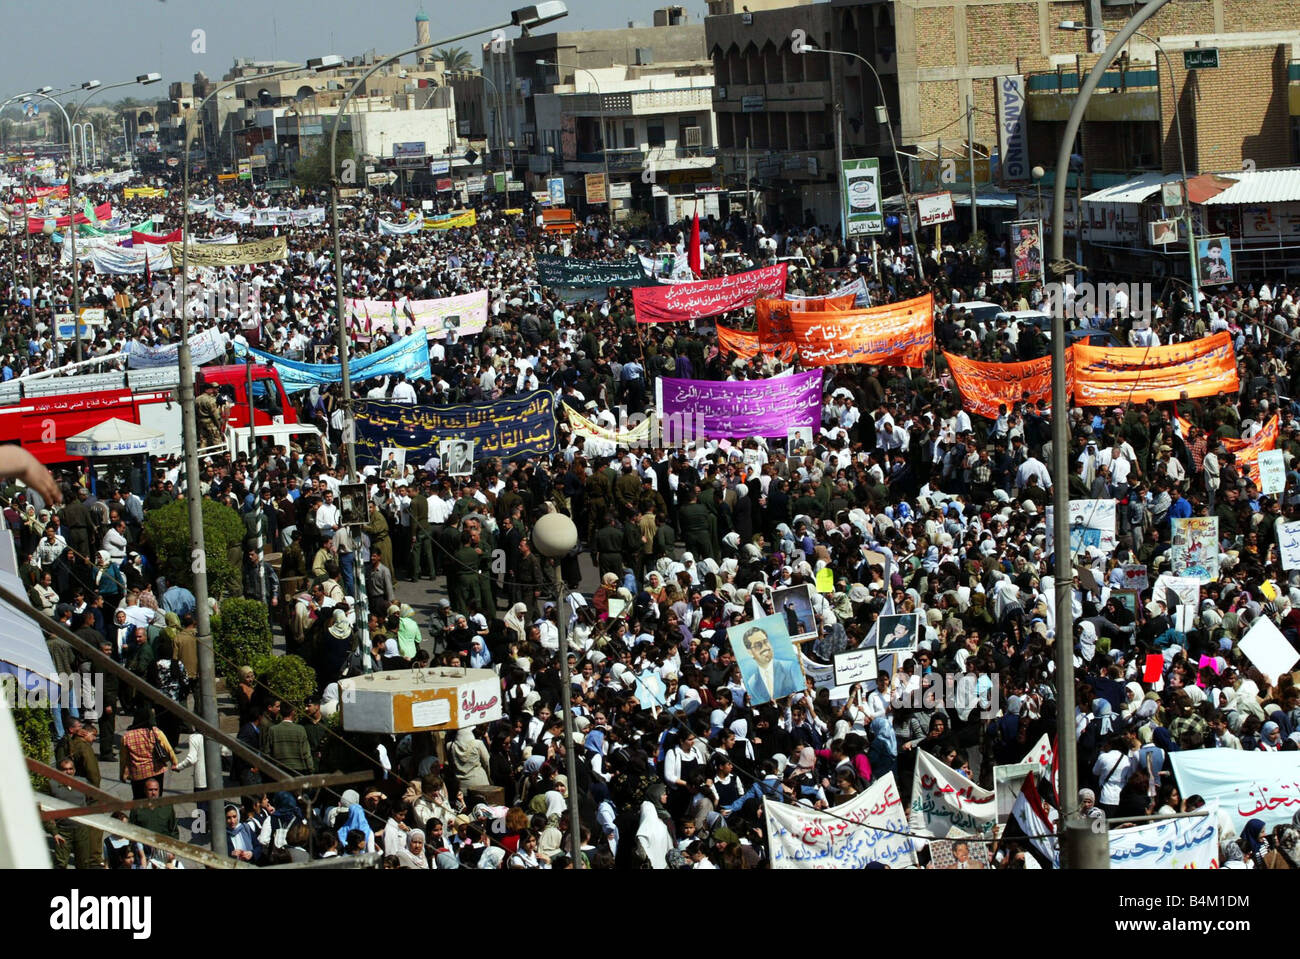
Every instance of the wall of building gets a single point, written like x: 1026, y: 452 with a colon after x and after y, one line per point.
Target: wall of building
x: 378, y: 131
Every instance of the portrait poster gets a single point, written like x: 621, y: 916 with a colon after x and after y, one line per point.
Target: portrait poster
x: 1027, y: 250
x: 353, y: 505
x: 1194, y: 548
x: 768, y: 659
x: 1163, y: 232
x: 392, y: 462
x: 798, y: 442
x: 959, y: 854
x: 897, y: 632
x: 794, y: 605
x: 457, y: 456
x: 1214, y: 260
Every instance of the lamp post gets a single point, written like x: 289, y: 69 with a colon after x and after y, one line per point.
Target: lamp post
x: 1038, y: 173
x: 525, y: 17
x: 1182, y: 156
x: 193, y: 497
x: 882, y: 116
x: 1080, y: 846
x: 604, y: 134
x: 556, y: 535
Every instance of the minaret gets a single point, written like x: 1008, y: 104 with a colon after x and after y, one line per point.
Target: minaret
x: 422, y: 35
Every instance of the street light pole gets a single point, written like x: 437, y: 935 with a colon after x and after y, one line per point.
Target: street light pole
x: 882, y: 114
x: 1080, y: 846
x: 604, y: 134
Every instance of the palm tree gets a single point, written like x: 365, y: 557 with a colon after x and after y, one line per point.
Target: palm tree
x: 453, y: 58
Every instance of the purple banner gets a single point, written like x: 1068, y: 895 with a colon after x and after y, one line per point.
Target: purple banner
x: 713, y: 409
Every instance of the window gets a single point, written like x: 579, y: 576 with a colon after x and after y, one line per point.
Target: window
x: 629, y: 137
x: 655, y: 132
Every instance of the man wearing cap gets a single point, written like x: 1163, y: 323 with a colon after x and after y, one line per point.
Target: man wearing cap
x: 210, y: 415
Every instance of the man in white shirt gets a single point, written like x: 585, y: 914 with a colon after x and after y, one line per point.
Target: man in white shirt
x: 327, y: 514
x: 403, y: 392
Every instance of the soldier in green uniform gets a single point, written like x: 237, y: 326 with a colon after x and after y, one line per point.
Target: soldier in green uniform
x: 422, y: 544
x: 609, y: 544
x: 699, y: 527
x: 598, y: 494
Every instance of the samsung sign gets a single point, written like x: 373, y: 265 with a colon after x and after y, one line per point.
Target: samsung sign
x: 1013, y: 140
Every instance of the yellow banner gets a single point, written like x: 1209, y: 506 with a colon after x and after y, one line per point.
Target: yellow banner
x: 454, y: 221
x: 518, y: 211
x: 235, y: 254
x: 144, y: 192
x: 227, y: 177
x: 599, y: 436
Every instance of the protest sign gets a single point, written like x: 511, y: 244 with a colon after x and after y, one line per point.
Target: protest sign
x: 1181, y: 596
x: 1008, y: 780
x: 692, y: 301
x: 1135, y: 576
x: 1191, y: 843
x: 1115, y: 376
x: 985, y: 387
x: 560, y: 271
x: 944, y: 802
x: 1272, y: 472
x: 855, y: 666
x: 898, y: 334
x: 409, y: 356
x: 1194, y: 548
x: 715, y: 409
x: 1266, y: 647
x: 1247, y: 784
x: 1288, y: 544
x: 803, y: 838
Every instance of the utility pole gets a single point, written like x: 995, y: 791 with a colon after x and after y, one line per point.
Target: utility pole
x: 970, y: 152
x: 839, y: 171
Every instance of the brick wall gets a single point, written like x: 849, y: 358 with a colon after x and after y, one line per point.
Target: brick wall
x: 998, y: 33
x: 1241, y: 110
x: 936, y: 38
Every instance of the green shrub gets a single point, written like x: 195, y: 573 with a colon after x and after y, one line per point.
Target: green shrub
x: 241, y: 635
x: 36, y: 738
x: 168, y: 529
x: 288, y: 677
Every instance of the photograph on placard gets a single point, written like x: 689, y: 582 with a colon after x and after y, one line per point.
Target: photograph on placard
x: 794, y: 605
x: 897, y: 632
x: 768, y: 659
x: 354, y: 509
x: 1128, y: 598
x: 798, y: 442
x: 1214, y: 260
x: 457, y: 456
x: 392, y: 462
x: 959, y: 854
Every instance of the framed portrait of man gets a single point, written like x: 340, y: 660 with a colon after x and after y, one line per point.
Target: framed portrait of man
x: 354, y: 509
x: 768, y: 659
x: 799, y: 441
x: 794, y: 604
x: 1214, y: 260
x: 392, y: 462
x: 897, y: 632
x: 457, y: 456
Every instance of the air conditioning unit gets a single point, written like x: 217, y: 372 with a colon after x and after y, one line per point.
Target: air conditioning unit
x: 692, y: 136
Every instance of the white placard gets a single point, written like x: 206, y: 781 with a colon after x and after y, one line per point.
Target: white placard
x: 803, y: 838
x: 1272, y: 472
x: 1288, y: 544
x: 430, y: 712
x: 1266, y: 647
x: 854, y: 666
x: 1191, y: 843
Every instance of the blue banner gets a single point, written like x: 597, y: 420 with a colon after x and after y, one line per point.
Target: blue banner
x: 409, y: 356
x: 507, y: 428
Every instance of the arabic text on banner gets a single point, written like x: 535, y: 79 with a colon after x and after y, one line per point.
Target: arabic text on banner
x: 1247, y: 784
x: 387, y: 228
x: 409, y: 356
x: 204, y: 348
x: 773, y: 316
x: 120, y: 261
x: 946, y: 803
x: 469, y: 311
x: 452, y: 221
x: 238, y: 254
x: 507, y: 428
x: 691, y: 301
x: 803, y: 838
x: 1173, y: 844
x: 143, y: 192
x: 714, y: 409
x: 602, y: 441
x: 572, y: 271
x: 1288, y: 544
x: 898, y: 334
x: 745, y: 345
x: 986, y: 386
x: 35, y: 224
x: 1248, y: 451
x: 1115, y: 376
x: 1194, y: 548
x: 858, y: 290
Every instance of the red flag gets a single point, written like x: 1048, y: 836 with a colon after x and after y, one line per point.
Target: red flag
x: 693, y: 257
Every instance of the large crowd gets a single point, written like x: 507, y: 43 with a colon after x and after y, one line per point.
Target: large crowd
x: 912, y: 503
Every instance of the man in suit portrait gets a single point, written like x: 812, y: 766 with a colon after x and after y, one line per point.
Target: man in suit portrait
x: 767, y: 678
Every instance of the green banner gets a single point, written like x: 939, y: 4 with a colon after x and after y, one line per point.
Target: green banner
x: 861, y: 195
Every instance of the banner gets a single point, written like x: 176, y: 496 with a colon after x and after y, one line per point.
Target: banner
x: 861, y: 191
x: 944, y: 802
x: 1194, y: 548
x: 35, y: 224
x: 1247, y: 784
x: 572, y: 271
x: 857, y: 289
x: 1248, y: 451
x: 984, y: 387
x: 1114, y: 376
x: 1288, y: 544
x: 1013, y: 127
x: 409, y: 356
x: 143, y: 192
x: 238, y: 254
x: 204, y: 348
x: 745, y: 345
x: 1191, y: 843
x: 595, y: 189
x: 120, y: 260
x: 692, y: 301
x: 400, y: 229
x: 602, y: 441
x: 897, y: 334
x: 668, y: 268
x: 847, y: 836
x: 715, y: 409
x: 935, y: 208
x: 507, y: 428
x: 464, y: 315
x: 139, y: 239
x: 460, y: 219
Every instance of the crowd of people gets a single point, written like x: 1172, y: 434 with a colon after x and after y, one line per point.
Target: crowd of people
x: 912, y: 503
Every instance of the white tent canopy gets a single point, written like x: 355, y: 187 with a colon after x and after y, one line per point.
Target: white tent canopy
x: 117, y: 437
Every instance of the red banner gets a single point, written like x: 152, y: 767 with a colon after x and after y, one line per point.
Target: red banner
x: 173, y: 237
x: 45, y: 193
x: 986, y: 386
x: 898, y: 334
x: 745, y: 345
x: 676, y: 302
x: 1246, y: 451
x: 37, y: 223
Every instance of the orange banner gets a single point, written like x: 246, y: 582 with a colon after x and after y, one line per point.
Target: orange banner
x: 773, y: 314
x: 898, y: 334
x: 1246, y: 451
x: 745, y: 345
x: 986, y: 386
x: 1113, y: 376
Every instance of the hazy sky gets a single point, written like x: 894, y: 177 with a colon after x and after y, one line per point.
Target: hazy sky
x: 65, y: 42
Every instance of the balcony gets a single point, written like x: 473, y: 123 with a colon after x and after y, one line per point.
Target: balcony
x: 1128, y: 94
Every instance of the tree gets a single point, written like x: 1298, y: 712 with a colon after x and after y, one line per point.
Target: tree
x: 313, y: 170
x: 168, y: 530
x: 453, y: 58
x: 241, y: 636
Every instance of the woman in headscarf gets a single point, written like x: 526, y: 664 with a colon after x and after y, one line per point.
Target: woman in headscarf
x: 516, y: 621
x: 652, y: 837
x: 1270, y: 738
x: 1254, y: 844
x: 470, y: 760
x: 1132, y: 700
x: 352, y: 815
x: 882, y: 754
x: 412, y: 856
x: 479, y: 657
x: 109, y: 580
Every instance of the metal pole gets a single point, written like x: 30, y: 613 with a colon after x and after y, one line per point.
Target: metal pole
x: 566, y: 701
x: 1080, y: 847
x: 839, y: 166
x: 970, y: 151
x: 71, y: 237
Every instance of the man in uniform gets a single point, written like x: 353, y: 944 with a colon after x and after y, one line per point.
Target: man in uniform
x: 608, y: 545
x: 699, y: 527
x: 422, y: 545
x: 210, y: 415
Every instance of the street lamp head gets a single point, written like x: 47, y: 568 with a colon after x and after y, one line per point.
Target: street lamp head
x: 555, y: 535
x: 48, y: 228
x: 532, y: 17
x: 328, y: 62
x: 542, y: 63
x: 1071, y: 25
x: 44, y: 89
x: 90, y: 84
x: 1038, y: 173
x: 882, y: 115
x: 148, y: 78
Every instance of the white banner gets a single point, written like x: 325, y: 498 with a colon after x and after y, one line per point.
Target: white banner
x: 1272, y: 472
x: 464, y: 315
x: 1191, y: 843
x: 1288, y: 544
x: 803, y: 838
x: 1248, y: 785
x: 119, y: 261
x: 400, y: 229
x: 204, y: 348
x: 934, y: 209
x: 944, y: 802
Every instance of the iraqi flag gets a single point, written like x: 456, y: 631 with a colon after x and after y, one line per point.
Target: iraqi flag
x: 1037, y: 823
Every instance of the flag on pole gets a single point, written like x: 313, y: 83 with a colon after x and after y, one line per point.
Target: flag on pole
x: 696, y: 258
x: 1037, y: 821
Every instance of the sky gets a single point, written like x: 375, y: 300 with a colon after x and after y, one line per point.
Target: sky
x: 66, y: 42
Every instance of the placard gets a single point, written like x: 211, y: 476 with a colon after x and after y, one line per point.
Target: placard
x: 1266, y: 647
x: 1272, y: 472
x: 354, y: 508
x: 935, y: 208
x: 794, y: 603
x: 1288, y: 544
x: 843, y: 837
x: 1163, y: 232
x: 1194, y: 548
x: 897, y: 633
x: 855, y: 666
x: 1003, y: 276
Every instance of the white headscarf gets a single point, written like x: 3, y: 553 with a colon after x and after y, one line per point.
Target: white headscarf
x: 652, y: 836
